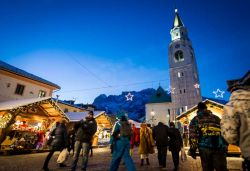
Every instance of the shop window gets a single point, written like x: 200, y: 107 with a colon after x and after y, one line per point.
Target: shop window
x: 19, y: 89
x: 42, y: 93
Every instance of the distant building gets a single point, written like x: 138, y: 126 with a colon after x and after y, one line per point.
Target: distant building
x: 159, y: 107
x: 16, y: 84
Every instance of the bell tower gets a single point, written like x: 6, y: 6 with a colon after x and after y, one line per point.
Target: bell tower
x: 184, y: 78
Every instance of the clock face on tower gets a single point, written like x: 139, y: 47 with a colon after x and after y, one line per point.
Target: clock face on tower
x: 178, y: 56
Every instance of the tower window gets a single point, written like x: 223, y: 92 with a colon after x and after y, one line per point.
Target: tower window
x: 177, y: 46
x: 180, y: 74
x: 178, y: 56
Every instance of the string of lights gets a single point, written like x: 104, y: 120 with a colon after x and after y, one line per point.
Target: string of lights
x: 115, y: 86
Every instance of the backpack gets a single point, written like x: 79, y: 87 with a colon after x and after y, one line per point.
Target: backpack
x: 125, y: 129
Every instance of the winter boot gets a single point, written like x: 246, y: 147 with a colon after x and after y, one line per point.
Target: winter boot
x: 142, y: 161
x: 147, y: 160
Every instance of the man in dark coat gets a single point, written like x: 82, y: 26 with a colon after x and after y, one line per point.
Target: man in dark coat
x: 85, y: 130
x: 160, y: 135
x: 175, y: 144
x: 58, y: 143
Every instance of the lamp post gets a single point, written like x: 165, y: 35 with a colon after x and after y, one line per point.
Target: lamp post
x: 152, y: 113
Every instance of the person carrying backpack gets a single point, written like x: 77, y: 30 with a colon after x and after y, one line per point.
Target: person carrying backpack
x: 120, y: 144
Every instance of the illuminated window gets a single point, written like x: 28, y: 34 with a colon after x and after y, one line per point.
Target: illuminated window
x: 42, y: 93
x: 19, y: 89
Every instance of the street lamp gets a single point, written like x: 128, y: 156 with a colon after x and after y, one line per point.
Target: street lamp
x: 152, y: 117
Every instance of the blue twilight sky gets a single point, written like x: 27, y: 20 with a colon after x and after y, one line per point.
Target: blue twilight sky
x: 92, y: 47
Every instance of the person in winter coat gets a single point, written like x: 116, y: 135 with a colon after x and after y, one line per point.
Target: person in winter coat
x: 85, y: 130
x: 146, y: 145
x: 71, y: 139
x: 160, y: 135
x: 120, y: 144
x: 235, y: 122
x: 175, y: 144
x: 58, y: 143
x: 133, y: 139
x: 205, y: 134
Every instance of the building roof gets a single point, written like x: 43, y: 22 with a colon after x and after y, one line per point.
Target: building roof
x: 177, y: 20
x: 68, y: 103
x: 160, y: 96
x: 77, y: 116
x: 6, y: 67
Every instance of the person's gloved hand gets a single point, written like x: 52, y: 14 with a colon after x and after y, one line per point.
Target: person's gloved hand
x: 192, y: 153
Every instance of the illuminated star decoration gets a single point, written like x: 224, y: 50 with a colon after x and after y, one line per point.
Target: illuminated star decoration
x: 129, y: 97
x: 170, y: 90
x: 197, y: 86
x: 218, y: 93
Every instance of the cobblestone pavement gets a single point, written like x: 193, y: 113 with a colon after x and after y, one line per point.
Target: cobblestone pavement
x: 100, y: 162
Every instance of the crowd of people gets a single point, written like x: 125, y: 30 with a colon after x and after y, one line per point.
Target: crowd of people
x: 209, y: 136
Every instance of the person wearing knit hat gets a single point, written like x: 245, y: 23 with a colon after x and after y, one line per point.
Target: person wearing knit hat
x: 205, y: 135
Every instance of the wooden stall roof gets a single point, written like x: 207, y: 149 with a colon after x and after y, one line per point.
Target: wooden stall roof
x: 46, y: 104
x: 216, y: 108
x: 101, y: 117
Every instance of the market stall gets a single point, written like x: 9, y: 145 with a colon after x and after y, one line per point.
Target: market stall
x: 216, y: 108
x: 104, y: 125
x: 24, y: 123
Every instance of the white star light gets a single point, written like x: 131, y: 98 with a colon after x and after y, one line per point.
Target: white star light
x: 170, y: 90
x: 129, y: 97
x: 197, y: 86
x: 218, y: 93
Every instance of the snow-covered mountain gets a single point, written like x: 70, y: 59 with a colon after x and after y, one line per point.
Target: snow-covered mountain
x: 116, y: 103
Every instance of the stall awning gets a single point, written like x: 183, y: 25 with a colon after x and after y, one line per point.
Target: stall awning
x: 187, y: 116
x: 30, y: 108
x: 100, y: 116
x: 77, y: 116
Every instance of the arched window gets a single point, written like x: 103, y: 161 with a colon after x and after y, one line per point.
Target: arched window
x: 178, y: 56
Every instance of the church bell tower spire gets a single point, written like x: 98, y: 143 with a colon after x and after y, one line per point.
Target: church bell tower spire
x: 184, y: 78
